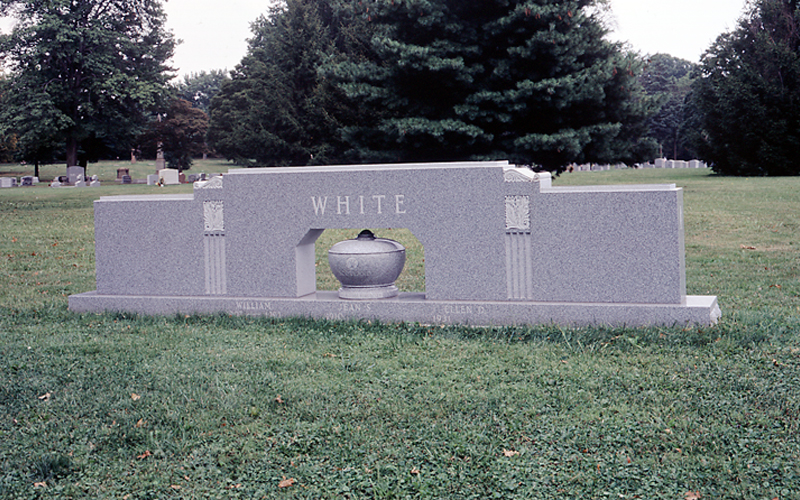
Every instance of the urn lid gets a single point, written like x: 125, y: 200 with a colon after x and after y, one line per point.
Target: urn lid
x: 366, y: 243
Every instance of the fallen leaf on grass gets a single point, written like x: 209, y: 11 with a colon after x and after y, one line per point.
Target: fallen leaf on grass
x: 233, y: 486
x: 175, y: 486
x: 40, y: 485
x: 745, y: 247
x: 135, y: 396
x: 415, y: 471
x: 46, y: 396
x: 692, y: 495
x: 510, y: 453
x: 286, y: 482
x: 140, y: 423
x: 278, y: 399
x: 144, y: 455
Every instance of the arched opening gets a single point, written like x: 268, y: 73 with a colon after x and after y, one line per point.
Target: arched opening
x: 412, y: 279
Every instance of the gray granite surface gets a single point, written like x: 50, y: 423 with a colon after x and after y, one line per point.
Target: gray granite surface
x: 414, y: 308
x: 493, y: 235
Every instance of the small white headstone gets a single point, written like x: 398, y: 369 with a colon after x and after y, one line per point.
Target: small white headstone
x: 168, y: 176
x: 74, y: 174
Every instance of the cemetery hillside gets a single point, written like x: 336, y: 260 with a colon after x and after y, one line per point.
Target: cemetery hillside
x: 213, y: 406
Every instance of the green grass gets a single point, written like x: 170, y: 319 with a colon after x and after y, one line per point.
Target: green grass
x: 120, y: 406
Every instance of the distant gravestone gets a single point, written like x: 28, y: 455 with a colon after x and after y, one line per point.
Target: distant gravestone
x: 181, y: 178
x: 80, y: 182
x: 499, y: 261
x: 660, y: 163
x: 168, y: 176
x: 7, y: 182
x: 126, y: 179
x: 94, y: 182
x: 75, y: 174
x: 695, y: 164
x: 152, y: 179
x: 27, y: 180
x: 121, y: 172
x: 161, y: 162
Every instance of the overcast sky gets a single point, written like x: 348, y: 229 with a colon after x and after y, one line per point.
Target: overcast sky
x: 215, y: 32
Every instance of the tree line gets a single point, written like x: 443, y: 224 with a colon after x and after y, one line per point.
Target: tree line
x: 355, y: 81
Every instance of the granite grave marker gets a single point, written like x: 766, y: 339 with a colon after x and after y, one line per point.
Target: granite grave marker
x: 500, y: 248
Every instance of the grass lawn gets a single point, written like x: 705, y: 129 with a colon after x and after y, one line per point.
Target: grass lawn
x: 126, y: 407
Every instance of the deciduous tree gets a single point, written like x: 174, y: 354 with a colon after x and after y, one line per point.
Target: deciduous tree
x: 180, y: 132
x: 89, y: 69
x: 669, y: 79
x: 200, y: 88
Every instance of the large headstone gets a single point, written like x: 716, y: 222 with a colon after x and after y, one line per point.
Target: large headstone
x: 7, y: 182
x: 501, y: 245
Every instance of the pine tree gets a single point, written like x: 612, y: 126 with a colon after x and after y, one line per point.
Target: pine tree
x: 748, y: 93
x: 277, y: 109
x: 531, y: 81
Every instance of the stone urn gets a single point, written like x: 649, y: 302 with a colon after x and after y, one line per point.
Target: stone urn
x: 367, y: 266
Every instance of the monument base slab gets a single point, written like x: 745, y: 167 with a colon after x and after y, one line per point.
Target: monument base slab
x: 413, y: 308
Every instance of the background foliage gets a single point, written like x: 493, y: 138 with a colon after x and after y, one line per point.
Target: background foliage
x: 277, y: 109
x: 668, y: 79
x: 534, y: 82
x: 180, y: 133
x: 748, y: 93
x: 83, y: 74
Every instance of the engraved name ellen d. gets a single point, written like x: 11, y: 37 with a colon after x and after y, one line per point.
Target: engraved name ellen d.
x: 347, y: 205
